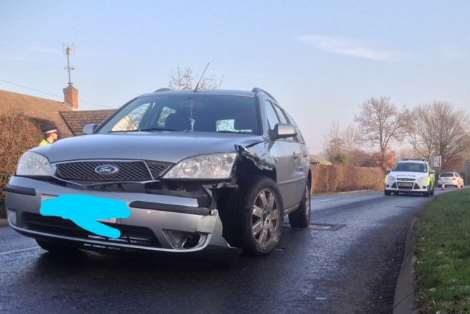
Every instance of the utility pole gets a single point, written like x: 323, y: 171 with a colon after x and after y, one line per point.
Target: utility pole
x: 68, y: 68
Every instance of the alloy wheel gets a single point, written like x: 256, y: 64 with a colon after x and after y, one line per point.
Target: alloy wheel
x: 265, y: 218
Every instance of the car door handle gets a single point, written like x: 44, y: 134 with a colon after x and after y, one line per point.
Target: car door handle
x: 296, y: 156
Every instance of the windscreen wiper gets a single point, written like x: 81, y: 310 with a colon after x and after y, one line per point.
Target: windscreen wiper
x: 158, y: 129
x: 147, y: 130
x: 236, y: 132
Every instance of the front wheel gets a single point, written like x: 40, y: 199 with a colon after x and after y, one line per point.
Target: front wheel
x: 262, y: 217
x: 429, y: 192
x: 300, y: 218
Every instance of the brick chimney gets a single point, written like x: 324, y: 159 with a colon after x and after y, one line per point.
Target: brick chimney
x: 71, y: 97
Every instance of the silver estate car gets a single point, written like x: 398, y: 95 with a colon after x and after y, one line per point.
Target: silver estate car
x: 197, y: 170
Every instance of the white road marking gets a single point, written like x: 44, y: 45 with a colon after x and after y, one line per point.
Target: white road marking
x: 19, y: 250
x: 321, y: 299
x: 326, y: 200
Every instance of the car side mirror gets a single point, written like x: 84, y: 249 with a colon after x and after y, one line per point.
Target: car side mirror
x: 90, y: 128
x: 283, y: 130
x: 388, y: 172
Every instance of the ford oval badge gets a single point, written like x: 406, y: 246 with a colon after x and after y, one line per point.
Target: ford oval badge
x: 106, y: 169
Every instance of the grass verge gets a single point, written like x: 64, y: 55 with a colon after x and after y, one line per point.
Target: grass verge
x: 443, y: 255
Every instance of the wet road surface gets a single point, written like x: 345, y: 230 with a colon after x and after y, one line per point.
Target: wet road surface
x: 346, y: 262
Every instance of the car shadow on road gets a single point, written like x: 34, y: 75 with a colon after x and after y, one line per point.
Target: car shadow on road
x: 129, y: 262
x: 200, y: 284
x: 135, y: 263
x: 120, y: 282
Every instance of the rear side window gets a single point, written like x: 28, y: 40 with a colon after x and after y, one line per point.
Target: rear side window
x: 281, y: 115
x: 447, y: 175
x: 300, y: 137
x: 271, y: 116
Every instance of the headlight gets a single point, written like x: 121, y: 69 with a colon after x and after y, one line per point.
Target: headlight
x: 391, y: 179
x: 32, y: 164
x: 215, y: 166
x: 424, y: 180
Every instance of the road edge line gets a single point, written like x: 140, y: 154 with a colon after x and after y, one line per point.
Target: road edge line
x: 404, y: 300
x: 19, y: 250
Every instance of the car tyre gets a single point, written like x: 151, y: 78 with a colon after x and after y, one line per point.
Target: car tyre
x: 388, y: 193
x: 300, y: 218
x: 261, y: 216
x: 56, y: 247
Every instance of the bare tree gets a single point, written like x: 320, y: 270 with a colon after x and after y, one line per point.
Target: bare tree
x: 440, y: 130
x: 421, y: 133
x: 185, y: 79
x: 351, y: 138
x: 380, y: 123
x: 334, y: 144
x: 341, y: 142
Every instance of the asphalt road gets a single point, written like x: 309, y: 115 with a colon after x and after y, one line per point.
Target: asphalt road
x: 347, y: 262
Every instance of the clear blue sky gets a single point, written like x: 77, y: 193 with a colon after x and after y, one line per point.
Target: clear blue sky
x: 321, y: 59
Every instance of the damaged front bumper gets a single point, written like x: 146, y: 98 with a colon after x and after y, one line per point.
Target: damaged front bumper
x: 159, y: 222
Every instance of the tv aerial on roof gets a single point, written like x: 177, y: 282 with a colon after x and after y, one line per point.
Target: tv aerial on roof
x: 202, y: 77
x: 69, y: 50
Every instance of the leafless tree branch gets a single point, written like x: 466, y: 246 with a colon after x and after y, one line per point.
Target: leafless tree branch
x: 184, y: 79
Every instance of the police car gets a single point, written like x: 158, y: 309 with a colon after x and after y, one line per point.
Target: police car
x: 410, y: 176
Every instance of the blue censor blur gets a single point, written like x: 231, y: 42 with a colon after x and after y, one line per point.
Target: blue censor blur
x: 86, y: 211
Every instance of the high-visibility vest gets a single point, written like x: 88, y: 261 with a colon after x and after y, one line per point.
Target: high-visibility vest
x: 44, y: 143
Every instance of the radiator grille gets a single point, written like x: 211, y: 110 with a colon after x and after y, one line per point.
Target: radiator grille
x: 133, y: 235
x: 406, y: 179
x: 126, y: 171
x: 158, y: 168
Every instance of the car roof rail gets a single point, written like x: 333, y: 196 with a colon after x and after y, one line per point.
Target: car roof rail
x: 415, y: 159
x: 163, y: 89
x: 260, y: 90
